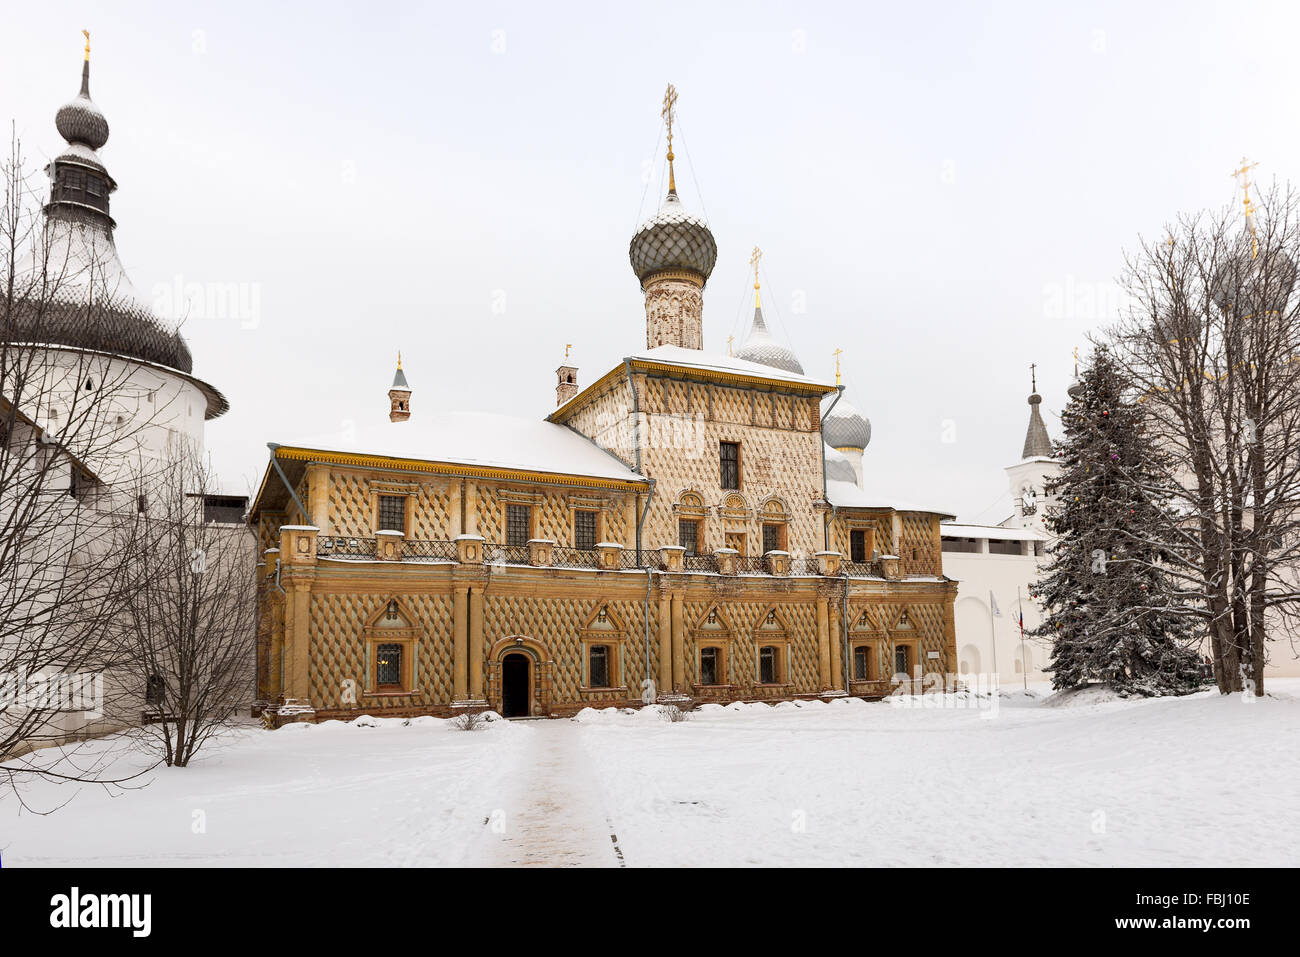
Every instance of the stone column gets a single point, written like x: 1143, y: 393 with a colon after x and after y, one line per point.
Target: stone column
x: 298, y: 554
x: 665, y: 644
x: 297, y: 664
x: 679, y: 645
x: 459, y: 642
x: 823, y: 644
x: 835, y: 636
x: 476, y: 644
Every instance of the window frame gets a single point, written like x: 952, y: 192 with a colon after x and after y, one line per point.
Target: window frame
x: 697, y: 525
x: 595, y: 528
x: 404, y: 507
x: 724, y: 463
x: 606, y: 649
x: 781, y: 535
x: 777, y: 657
x: 528, y: 532
x: 719, y: 664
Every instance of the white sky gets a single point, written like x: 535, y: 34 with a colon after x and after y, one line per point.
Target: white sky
x: 949, y: 189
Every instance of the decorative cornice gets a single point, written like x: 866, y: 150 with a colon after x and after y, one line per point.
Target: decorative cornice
x: 358, y: 460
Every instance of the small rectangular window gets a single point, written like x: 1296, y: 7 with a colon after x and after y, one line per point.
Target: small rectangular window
x: 708, y: 666
x: 519, y: 524
x: 584, y: 530
x: 858, y: 545
x: 598, y: 666
x: 767, y: 670
x: 392, y: 513
x: 861, y: 663
x: 771, y: 537
x: 688, y: 534
x: 388, y: 665
x: 902, y: 660
x: 729, y: 453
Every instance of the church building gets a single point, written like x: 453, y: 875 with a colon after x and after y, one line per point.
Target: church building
x: 687, y: 527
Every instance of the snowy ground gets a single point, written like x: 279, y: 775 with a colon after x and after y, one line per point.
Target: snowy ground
x: 1088, y: 781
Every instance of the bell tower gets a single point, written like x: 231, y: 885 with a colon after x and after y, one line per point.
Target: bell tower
x: 566, y: 376
x: 399, y: 396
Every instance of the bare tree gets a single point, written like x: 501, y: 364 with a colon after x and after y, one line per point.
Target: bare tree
x: 1212, y: 340
x: 189, y: 634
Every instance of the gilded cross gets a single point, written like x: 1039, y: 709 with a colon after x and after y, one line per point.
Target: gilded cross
x: 1033, y: 376
x: 730, y: 340
x: 669, y: 111
x: 754, y: 258
x: 837, y: 353
x: 86, y: 34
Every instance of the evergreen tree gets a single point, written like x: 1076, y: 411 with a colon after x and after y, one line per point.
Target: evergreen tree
x: 1110, y: 609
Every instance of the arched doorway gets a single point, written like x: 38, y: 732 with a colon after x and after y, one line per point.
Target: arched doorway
x: 516, y: 685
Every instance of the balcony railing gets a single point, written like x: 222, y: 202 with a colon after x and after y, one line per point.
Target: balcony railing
x: 342, y: 546
x: 428, y: 550
x: 496, y: 554
x: 863, y: 569
x: 751, y: 565
x: 564, y: 557
x: 700, y: 563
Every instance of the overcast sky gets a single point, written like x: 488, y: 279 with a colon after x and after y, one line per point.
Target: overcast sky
x: 944, y: 191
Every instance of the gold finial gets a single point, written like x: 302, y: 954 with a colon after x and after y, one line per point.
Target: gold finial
x: 399, y: 360
x: 567, y: 347
x: 668, y: 112
x: 1242, y: 173
x: 837, y: 353
x: 730, y: 340
x: 1076, y: 363
x: 754, y: 259
x: 86, y: 34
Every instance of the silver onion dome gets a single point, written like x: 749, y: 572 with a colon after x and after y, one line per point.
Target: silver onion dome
x: 846, y: 428
x: 80, y: 120
x: 760, y: 347
x: 673, y: 239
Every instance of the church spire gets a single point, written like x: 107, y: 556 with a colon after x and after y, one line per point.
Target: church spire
x: 759, y: 346
x: 1038, y: 444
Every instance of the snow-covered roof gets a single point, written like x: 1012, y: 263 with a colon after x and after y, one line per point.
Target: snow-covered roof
x: 481, y: 439
x: 994, y: 532
x: 848, y: 495
x: 731, y: 365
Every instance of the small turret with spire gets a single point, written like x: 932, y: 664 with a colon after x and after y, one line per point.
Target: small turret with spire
x: 399, y: 396
x: 1038, y: 444
x: 566, y: 379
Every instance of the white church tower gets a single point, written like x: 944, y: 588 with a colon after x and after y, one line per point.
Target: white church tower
x: 1028, y: 478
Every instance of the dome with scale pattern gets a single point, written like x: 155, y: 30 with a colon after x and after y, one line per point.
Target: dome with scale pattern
x: 673, y: 239
x: 846, y: 428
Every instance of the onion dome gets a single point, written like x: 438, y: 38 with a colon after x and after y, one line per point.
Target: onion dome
x: 846, y: 428
x: 760, y: 347
x: 80, y: 120
x: 673, y: 239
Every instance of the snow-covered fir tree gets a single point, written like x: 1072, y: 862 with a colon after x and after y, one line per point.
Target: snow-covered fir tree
x: 1110, y: 608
